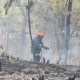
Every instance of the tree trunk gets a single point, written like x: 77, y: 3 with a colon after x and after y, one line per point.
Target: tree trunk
x: 67, y: 34
x: 23, y: 35
x: 29, y: 22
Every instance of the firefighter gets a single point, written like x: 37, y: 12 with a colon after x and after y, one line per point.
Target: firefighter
x: 2, y: 52
x: 37, y: 44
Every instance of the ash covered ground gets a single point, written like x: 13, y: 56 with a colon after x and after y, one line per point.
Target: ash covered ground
x: 25, y: 70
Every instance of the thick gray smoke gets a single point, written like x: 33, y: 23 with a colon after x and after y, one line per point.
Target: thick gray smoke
x: 42, y: 19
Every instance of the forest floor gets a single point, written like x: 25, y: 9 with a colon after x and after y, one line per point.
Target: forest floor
x: 26, y: 70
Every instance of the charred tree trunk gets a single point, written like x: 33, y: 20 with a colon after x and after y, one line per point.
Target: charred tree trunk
x: 29, y: 22
x: 67, y: 34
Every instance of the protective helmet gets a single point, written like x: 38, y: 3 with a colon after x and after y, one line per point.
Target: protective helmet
x: 40, y: 34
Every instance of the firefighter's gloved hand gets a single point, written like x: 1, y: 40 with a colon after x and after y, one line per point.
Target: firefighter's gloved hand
x: 46, y: 47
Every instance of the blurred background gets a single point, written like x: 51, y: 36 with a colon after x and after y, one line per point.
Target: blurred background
x: 59, y: 19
